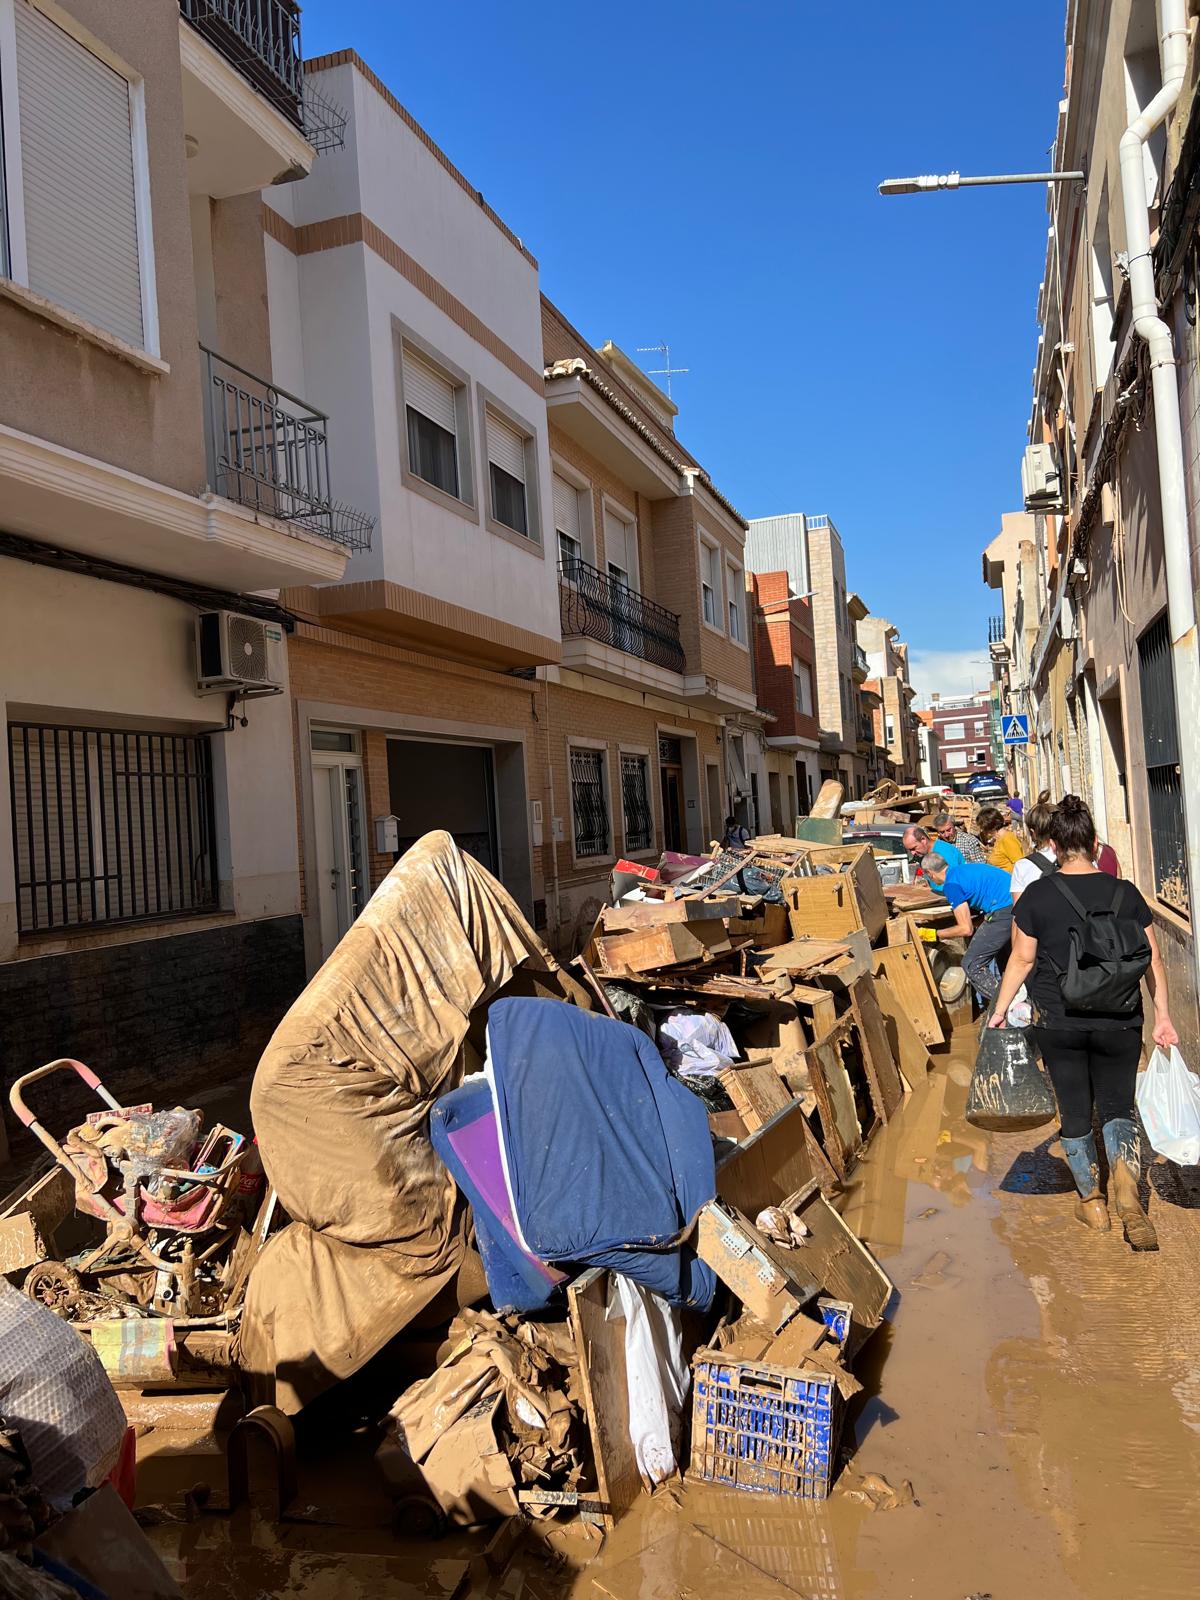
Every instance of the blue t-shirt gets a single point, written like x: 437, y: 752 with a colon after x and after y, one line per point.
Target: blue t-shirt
x: 950, y: 854
x: 982, y: 887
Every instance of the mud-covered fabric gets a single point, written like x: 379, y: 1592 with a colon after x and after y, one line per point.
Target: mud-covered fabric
x: 341, y: 1104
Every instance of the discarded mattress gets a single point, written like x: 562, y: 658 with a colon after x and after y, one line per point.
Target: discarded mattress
x: 608, y: 1159
x: 341, y: 1104
x: 462, y: 1126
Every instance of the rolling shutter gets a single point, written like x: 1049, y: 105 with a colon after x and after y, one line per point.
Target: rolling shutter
x: 81, y: 233
x: 506, y: 448
x: 566, y: 508
x: 429, y: 393
x: 619, y: 548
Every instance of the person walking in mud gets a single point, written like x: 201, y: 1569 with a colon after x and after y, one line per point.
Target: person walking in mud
x: 1089, y: 1018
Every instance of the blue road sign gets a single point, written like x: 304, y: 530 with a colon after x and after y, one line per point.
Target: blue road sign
x: 1014, y: 730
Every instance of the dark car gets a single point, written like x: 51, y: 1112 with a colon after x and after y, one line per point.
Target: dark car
x: 986, y: 786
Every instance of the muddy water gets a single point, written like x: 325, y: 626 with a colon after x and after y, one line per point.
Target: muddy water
x: 1038, y: 1384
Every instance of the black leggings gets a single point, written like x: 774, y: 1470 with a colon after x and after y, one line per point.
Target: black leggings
x: 1091, y: 1067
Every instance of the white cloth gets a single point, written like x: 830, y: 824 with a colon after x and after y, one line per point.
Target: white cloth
x: 656, y: 1375
x: 1026, y: 872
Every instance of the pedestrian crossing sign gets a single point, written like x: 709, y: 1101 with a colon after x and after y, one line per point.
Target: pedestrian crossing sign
x: 1015, y: 730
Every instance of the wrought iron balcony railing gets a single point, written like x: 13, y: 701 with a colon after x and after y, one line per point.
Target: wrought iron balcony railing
x: 261, y: 38
x: 270, y: 451
x: 595, y: 606
x: 861, y: 663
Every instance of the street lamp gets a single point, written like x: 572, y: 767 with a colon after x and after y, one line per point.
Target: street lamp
x: 955, y: 180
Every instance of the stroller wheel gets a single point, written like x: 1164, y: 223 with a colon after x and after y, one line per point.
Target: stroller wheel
x: 54, y: 1286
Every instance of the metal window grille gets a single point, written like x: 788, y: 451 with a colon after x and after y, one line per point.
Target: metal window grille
x: 1160, y: 736
x: 109, y: 825
x: 635, y: 798
x: 589, y: 803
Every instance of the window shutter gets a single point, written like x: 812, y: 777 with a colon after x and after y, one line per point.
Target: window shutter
x: 566, y: 508
x: 618, y: 545
x: 81, y: 233
x: 429, y: 393
x: 506, y: 448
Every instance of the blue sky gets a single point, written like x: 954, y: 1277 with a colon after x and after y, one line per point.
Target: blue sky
x: 706, y: 174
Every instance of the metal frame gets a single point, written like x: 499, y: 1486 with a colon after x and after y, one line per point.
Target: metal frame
x: 261, y: 38
x: 595, y: 606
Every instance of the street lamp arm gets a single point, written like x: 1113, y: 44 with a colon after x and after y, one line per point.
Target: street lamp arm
x: 955, y: 180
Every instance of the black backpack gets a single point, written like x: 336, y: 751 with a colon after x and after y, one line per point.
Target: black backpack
x: 1107, y: 957
x: 1044, y: 866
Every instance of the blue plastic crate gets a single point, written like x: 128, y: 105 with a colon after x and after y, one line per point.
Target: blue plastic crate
x: 772, y: 1430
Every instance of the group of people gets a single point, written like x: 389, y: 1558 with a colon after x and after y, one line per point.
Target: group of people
x: 1040, y: 909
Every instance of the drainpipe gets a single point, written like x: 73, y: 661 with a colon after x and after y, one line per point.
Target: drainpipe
x: 1149, y: 326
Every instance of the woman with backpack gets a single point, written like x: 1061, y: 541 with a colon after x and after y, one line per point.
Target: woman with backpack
x: 1088, y: 941
x: 1041, y: 859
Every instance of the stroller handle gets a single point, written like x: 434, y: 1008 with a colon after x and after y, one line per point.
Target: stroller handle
x: 17, y: 1101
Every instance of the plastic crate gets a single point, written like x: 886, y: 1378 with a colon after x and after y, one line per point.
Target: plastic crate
x: 772, y: 1430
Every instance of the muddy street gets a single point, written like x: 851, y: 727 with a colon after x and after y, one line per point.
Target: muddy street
x: 1038, y: 1385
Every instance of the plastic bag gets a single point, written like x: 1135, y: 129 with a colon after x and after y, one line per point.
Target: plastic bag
x: 1168, y: 1102
x: 656, y: 1375
x: 696, y: 1044
x: 1009, y: 1092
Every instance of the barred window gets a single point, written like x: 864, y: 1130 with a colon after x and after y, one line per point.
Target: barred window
x: 589, y: 803
x: 1160, y: 736
x: 635, y: 800
x: 109, y: 825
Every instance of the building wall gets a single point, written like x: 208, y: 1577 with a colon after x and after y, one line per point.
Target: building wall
x: 831, y: 633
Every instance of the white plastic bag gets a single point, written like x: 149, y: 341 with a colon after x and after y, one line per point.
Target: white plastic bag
x: 656, y: 1375
x: 1168, y: 1102
x: 696, y: 1044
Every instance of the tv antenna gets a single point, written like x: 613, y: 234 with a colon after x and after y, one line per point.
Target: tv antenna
x: 666, y: 371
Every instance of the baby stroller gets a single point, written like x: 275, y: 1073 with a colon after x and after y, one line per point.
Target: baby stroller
x: 171, y: 1203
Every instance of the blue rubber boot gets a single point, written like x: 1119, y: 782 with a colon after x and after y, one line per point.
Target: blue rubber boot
x: 1085, y: 1169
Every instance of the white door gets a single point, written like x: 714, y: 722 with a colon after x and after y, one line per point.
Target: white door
x: 337, y: 827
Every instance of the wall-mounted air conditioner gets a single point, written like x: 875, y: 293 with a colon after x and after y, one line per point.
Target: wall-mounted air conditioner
x: 1041, y: 482
x: 233, y: 654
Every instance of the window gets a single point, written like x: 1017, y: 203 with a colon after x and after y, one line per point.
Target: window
x: 735, y: 597
x: 1160, y: 737
x: 954, y: 731
x: 889, y: 728
x: 566, y: 523
x: 110, y: 825
x: 802, y: 684
x: 77, y: 230
x: 620, y: 547
x: 710, y: 583
x: 506, y: 470
x: 589, y: 803
x: 430, y: 401
x: 635, y: 802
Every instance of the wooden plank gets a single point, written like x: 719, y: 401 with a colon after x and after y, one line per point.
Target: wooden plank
x: 770, y: 1165
x: 822, y: 907
x: 829, y: 799
x: 846, y: 1268
x: 922, y: 951
x: 908, y: 1048
x: 802, y: 955
x: 827, y: 1178
x: 665, y: 946
x: 600, y: 1346
x: 835, y: 1100
x: 758, y: 1094
x: 883, y: 1074
x: 899, y: 965
x: 727, y: 1125
x: 769, y: 1286
x: 825, y: 1015
x: 654, y: 913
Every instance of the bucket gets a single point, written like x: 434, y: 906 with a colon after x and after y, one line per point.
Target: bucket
x: 1009, y: 1091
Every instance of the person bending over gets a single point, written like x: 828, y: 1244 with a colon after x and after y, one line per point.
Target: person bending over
x: 1091, y: 1053
x: 976, y: 888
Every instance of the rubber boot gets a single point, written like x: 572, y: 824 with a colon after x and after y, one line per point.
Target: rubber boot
x: 1084, y: 1163
x: 1125, y: 1169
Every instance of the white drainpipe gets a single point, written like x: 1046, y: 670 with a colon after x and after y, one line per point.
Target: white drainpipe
x: 1148, y: 325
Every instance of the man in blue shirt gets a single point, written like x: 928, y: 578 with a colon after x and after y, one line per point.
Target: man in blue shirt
x: 975, y: 888
x: 918, y: 843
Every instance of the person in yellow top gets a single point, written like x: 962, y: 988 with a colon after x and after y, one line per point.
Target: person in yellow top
x: 1003, y: 846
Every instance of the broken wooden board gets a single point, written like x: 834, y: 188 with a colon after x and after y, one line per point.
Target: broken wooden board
x: 883, y: 1072
x: 829, y: 799
x: 727, y: 1125
x: 666, y: 946
x: 840, y: 1126
x: 900, y: 965
x: 907, y: 1046
x: 770, y: 1288
x: 758, y: 1093
x: 802, y: 955
x: 857, y: 957
x: 600, y: 1346
x: 21, y: 1243
x: 846, y: 1268
x: 765, y: 928
x: 637, y: 914
x: 771, y: 1164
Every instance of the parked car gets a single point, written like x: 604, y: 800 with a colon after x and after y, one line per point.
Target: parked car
x: 885, y: 838
x: 986, y: 786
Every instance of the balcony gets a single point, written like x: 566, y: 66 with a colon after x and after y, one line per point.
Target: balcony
x: 269, y: 451
x: 861, y: 667
x: 599, y: 608
x: 997, y: 642
x: 261, y: 38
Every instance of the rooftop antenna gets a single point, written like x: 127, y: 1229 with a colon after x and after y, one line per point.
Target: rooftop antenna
x: 666, y: 371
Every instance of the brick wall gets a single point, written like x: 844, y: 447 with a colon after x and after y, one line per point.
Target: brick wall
x: 158, y: 1019
x: 777, y: 640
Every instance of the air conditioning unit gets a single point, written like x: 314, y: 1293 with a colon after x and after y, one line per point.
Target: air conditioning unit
x: 1041, y: 484
x: 232, y: 654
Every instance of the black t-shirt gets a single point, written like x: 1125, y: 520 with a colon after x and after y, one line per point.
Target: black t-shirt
x: 1046, y: 915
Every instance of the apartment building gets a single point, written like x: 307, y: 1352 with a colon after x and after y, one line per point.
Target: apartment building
x: 785, y: 663
x: 809, y: 549
x: 962, y: 724
x: 929, y: 770
x: 1010, y: 565
x: 651, y: 717
x: 153, y: 493
x: 1112, y: 480
x: 887, y: 662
